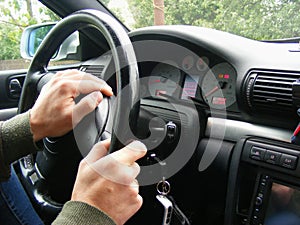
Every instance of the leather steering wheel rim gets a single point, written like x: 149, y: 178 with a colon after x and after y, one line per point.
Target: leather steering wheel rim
x: 126, y: 68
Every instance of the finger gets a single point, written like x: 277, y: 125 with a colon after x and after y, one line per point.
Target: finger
x: 136, y: 203
x: 98, y: 151
x: 140, y: 201
x: 94, y: 83
x: 135, y: 170
x: 106, y: 143
x: 130, y: 153
x: 80, y: 75
x: 88, y: 86
x: 135, y: 185
x: 86, y: 105
x: 67, y: 73
x: 115, y: 171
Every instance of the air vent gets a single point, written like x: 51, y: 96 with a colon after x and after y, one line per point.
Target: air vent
x: 96, y: 70
x: 270, y: 90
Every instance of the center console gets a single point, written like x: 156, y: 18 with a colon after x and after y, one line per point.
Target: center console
x: 264, y: 186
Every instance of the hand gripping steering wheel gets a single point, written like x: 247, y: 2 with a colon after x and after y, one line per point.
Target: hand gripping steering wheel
x: 54, y: 166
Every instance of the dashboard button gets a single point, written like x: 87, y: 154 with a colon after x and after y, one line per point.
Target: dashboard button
x: 258, y: 201
x: 272, y: 157
x: 257, y: 153
x: 288, y: 161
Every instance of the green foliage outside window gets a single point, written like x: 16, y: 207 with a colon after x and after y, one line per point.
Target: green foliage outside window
x: 14, y: 19
x: 256, y: 19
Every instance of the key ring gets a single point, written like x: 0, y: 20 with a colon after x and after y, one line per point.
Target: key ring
x: 163, y: 187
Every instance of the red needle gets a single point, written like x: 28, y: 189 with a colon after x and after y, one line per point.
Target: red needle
x: 212, y: 91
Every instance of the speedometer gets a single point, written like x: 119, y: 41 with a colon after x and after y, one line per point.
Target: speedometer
x: 218, y: 86
x: 164, y: 79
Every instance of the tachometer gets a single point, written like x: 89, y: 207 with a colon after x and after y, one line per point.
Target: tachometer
x: 218, y: 86
x: 164, y: 79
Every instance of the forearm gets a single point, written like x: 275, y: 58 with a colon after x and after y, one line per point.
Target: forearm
x: 75, y: 212
x: 16, y: 141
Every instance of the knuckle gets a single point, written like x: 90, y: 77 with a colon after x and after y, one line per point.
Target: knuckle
x: 55, y: 80
x: 127, y: 180
x: 90, y: 104
x: 109, y: 189
x: 64, y: 84
x: 82, y: 164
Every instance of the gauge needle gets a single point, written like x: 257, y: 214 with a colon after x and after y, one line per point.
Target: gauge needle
x: 212, y: 91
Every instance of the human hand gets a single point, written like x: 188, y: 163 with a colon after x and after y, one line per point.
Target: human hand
x: 55, y: 112
x: 108, y: 182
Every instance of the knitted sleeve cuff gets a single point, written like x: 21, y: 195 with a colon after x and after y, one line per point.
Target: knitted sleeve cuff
x: 75, y: 212
x: 4, y: 167
x: 17, y: 138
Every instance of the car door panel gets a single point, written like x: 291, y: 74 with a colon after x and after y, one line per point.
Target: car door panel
x: 10, y: 89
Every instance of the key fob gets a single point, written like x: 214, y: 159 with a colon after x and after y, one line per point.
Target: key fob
x: 167, y: 209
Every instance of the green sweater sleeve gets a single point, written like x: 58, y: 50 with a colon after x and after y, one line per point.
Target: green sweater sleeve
x: 16, y: 141
x: 74, y: 213
x: 4, y: 168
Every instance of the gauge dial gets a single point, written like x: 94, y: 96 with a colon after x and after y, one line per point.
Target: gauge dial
x: 164, y: 79
x: 202, y: 63
x: 218, y: 86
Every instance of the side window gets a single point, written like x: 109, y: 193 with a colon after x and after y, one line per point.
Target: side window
x: 15, y: 17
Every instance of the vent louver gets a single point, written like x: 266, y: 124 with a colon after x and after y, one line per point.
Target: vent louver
x: 96, y: 70
x: 270, y: 90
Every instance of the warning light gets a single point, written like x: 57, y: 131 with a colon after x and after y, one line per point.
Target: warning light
x: 226, y: 76
x: 221, y: 75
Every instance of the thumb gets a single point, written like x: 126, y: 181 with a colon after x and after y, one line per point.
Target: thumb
x: 86, y: 105
x: 98, y: 151
x: 130, y: 153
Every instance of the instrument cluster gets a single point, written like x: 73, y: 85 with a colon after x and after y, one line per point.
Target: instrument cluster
x: 194, y: 79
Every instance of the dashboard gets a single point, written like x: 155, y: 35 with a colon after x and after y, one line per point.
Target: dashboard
x: 245, y: 97
x: 251, y: 80
x: 236, y: 100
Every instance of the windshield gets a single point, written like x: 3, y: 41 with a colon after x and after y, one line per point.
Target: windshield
x: 255, y: 19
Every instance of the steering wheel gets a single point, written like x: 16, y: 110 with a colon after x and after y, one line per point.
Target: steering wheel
x: 54, y: 167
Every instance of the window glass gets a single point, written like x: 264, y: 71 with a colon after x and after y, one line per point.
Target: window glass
x: 255, y: 19
x: 15, y: 17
